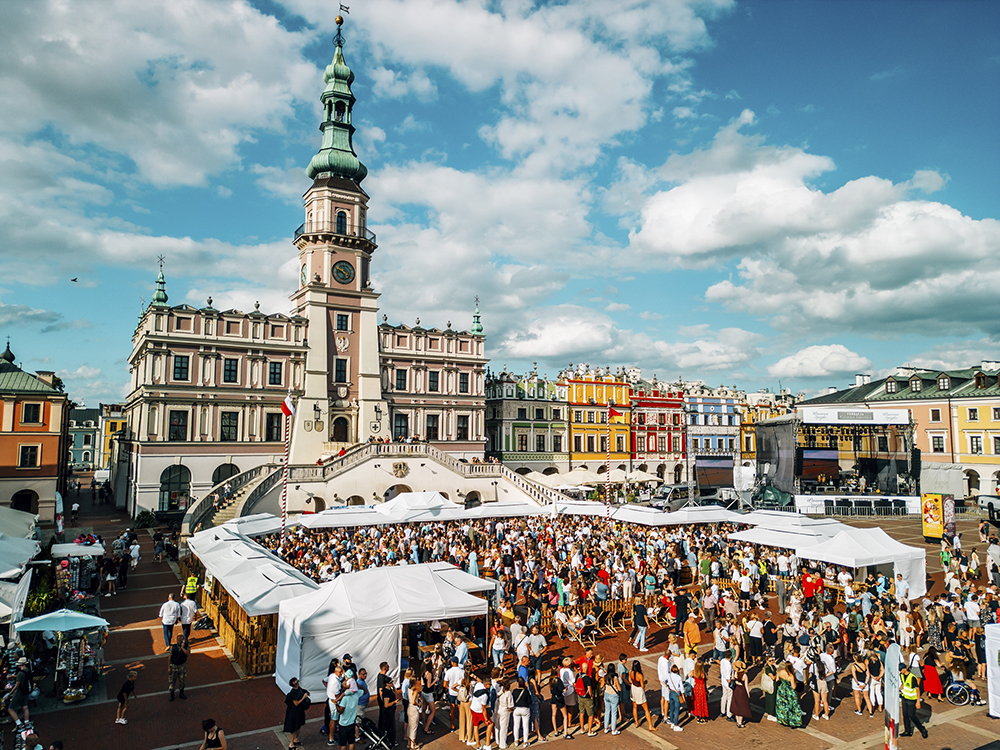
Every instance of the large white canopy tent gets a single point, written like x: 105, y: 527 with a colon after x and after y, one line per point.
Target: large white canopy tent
x: 784, y: 538
x: 776, y: 519
x: 71, y: 549
x: 17, y: 523
x: 253, y: 576
x: 362, y: 613
x: 693, y: 514
x: 15, y: 552
x: 856, y: 548
x: 12, y: 598
x: 505, y: 510
x: 910, y: 561
x: 640, y: 514
x: 410, y: 507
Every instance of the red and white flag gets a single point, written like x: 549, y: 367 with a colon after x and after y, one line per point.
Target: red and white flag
x: 287, y: 408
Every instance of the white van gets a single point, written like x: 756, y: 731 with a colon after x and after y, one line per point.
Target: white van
x: 102, y: 475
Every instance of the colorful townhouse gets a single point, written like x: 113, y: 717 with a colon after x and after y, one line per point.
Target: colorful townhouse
x: 34, y: 451
x: 658, y: 430
x: 527, y: 422
x: 599, y: 406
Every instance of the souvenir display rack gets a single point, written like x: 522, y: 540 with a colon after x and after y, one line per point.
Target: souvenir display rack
x: 79, y: 663
x: 75, y: 576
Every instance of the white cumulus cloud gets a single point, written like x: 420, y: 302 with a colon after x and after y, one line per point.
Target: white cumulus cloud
x: 819, y: 361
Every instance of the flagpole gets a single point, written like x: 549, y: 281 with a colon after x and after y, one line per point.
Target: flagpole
x: 284, y: 478
x: 607, y: 472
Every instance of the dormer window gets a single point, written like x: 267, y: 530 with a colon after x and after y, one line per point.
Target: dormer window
x: 891, y: 386
x: 916, y: 386
x: 981, y: 380
x: 944, y: 383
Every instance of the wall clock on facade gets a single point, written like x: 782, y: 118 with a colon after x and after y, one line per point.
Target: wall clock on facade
x: 343, y: 272
x: 305, y: 274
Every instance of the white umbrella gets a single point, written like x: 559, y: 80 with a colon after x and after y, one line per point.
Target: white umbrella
x: 580, y: 476
x: 618, y: 476
x: 543, y: 479
x: 642, y: 476
x: 61, y: 621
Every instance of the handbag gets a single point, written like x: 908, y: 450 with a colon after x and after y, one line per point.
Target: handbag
x: 767, y: 683
x: 305, y: 703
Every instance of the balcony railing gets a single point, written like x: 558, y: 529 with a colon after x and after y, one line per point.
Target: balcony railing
x: 334, y: 227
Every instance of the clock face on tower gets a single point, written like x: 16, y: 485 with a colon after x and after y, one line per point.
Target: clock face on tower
x: 305, y: 274
x: 343, y: 272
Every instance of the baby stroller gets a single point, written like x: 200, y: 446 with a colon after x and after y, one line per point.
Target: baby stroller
x: 375, y: 736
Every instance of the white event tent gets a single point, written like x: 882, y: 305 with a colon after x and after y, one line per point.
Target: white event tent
x: 640, y: 514
x: 410, y: 507
x: 17, y: 523
x: 15, y: 552
x: 693, y: 514
x: 362, y: 613
x: 256, y: 579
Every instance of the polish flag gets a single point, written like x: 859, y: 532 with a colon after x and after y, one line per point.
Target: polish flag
x: 287, y: 408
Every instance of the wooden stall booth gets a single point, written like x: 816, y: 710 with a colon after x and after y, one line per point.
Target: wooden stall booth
x: 240, y: 587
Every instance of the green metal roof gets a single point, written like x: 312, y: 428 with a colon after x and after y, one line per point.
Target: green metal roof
x: 963, y: 385
x: 15, y: 380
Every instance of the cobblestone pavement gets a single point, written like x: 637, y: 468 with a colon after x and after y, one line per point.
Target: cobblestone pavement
x: 251, y: 711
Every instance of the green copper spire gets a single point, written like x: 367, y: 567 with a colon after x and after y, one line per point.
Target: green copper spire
x: 477, y: 326
x: 336, y: 153
x: 160, y: 295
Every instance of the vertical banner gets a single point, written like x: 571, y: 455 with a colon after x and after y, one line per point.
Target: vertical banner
x: 949, y: 515
x: 932, y: 515
x: 993, y: 669
x: 893, y: 704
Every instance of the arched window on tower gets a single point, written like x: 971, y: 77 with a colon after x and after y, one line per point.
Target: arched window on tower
x: 341, y: 222
x: 339, y: 111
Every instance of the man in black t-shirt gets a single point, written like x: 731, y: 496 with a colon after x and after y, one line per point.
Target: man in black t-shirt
x: 770, y: 635
x: 177, y: 668
x: 17, y: 698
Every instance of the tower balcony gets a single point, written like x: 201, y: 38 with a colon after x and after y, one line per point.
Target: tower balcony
x: 339, y: 233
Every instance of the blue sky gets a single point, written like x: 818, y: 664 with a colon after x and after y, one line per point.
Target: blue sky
x: 742, y: 192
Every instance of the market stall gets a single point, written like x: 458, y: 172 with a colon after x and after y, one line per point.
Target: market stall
x: 77, y: 571
x: 363, y: 614
x: 243, y: 584
x: 80, y: 650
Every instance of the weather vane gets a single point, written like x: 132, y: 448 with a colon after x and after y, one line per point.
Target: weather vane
x: 339, y: 20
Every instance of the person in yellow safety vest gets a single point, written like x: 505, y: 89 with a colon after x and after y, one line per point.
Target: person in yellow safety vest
x: 190, y: 586
x: 910, y: 691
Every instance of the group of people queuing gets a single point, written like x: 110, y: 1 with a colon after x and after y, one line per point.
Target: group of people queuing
x: 803, y: 629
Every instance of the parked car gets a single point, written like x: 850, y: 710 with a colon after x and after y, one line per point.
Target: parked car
x: 670, y: 497
x: 991, y: 504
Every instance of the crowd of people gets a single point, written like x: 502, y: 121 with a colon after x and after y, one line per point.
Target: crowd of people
x: 755, y: 613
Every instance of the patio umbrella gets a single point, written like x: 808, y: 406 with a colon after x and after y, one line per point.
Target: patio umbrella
x: 61, y: 621
x: 642, y: 476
